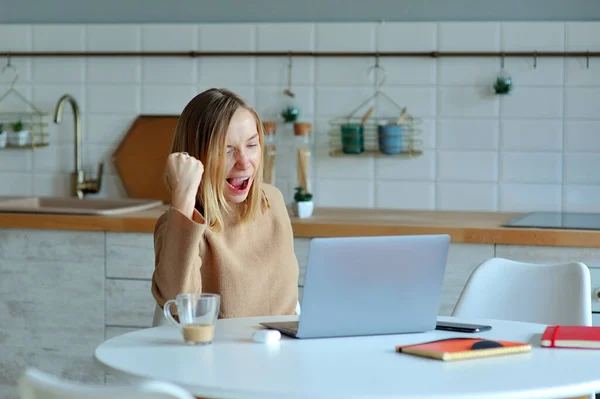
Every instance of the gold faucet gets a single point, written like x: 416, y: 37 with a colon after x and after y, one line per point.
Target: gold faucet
x: 81, y: 184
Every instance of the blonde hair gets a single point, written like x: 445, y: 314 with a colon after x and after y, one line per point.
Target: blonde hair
x: 202, y: 132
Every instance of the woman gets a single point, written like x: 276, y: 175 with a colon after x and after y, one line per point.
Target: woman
x: 226, y: 231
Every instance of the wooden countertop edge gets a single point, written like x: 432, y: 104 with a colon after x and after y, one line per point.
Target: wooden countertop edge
x: 467, y: 235
x: 75, y: 222
x: 309, y: 229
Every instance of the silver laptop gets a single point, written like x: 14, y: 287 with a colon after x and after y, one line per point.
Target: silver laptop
x: 370, y: 286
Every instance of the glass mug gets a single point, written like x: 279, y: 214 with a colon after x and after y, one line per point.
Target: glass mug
x: 197, y: 314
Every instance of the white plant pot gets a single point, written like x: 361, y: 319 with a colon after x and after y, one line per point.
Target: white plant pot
x: 304, y: 209
x: 3, y: 139
x: 18, y: 138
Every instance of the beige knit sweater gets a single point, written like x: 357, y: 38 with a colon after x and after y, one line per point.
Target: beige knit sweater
x: 251, y: 264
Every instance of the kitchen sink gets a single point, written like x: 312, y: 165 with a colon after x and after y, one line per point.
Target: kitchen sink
x: 76, y: 206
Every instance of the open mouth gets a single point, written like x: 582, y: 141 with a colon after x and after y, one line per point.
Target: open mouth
x: 238, y: 184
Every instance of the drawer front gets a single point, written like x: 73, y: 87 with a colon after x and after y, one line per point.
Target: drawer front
x: 129, y: 255
x: 129, y: 303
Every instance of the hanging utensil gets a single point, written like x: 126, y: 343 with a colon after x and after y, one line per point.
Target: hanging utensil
x: 288, y: 91
x: 403, y: 115
x: 366, y: 116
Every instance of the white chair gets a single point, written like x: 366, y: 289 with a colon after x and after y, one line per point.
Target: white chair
x: 540, y: 293
x: 36, y: 384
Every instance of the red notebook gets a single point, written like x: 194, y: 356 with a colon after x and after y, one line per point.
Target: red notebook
x: 571, y: 337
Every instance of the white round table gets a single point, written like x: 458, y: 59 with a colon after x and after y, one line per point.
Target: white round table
x: 234, y: 366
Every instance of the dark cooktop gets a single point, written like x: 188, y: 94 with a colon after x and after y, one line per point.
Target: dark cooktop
x: 557, y: 220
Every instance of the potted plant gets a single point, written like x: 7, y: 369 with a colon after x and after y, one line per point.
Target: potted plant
x: 290, y: 114
x: 19, y: 136
x: 503, y: 84
x: 303, y: 204
x: 2, y: 136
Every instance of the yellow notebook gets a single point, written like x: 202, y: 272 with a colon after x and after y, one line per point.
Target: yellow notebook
x: 463, y: 348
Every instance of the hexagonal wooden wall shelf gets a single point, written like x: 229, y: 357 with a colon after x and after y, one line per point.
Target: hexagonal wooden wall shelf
x: 141, y: 156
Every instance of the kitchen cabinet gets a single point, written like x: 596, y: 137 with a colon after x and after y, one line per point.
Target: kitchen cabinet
x: 51, y: 304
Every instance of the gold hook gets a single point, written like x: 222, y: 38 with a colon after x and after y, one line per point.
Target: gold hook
x: 535, y: 60
x: 377, y: 66
x: 10, y: 66
x: 502, y: 61
x: 588, y: 59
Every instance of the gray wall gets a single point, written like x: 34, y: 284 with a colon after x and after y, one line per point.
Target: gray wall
x: 141, y: 11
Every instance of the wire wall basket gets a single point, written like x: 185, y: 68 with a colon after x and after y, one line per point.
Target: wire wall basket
x: 24, y: 130
x: 377, y: 135
x: 21, y: 129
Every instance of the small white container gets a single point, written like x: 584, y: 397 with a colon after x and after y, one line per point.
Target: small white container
x: 304, y: 209
x: 19, y: 138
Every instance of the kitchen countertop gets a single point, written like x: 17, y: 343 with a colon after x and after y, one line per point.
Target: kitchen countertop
x: 464, y: 227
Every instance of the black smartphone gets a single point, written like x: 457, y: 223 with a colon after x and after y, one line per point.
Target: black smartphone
x: 461, y: 327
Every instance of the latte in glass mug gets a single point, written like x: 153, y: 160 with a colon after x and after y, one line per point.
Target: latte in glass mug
x: 197, y: 315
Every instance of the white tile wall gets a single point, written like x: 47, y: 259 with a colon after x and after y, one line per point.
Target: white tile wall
x: 407, y: 36
x: 286, y: 37
x: 477, y: 72
x: 227, y: 37
x: 468, y: 134
x: 533, y: 102
x: 112, y: 37
x: 581, y: 198
x: 538, y: 36
x: 405, y: 195
x: 474, y: 36
x: 467, y: 102
x: 535, y: 149
x: 467, y: 165
x: 531, y: 135
x: 466, y: 196
x: 531, y: 167
x: 582, y: 136
x: 519, y: 197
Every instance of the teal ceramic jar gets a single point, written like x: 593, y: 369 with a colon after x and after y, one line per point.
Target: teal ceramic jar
x: 353, y: 138
x: 390, y: 139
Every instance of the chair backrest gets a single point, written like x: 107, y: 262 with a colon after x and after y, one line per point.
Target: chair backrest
x: 36, y: 384
x: 540, y: 293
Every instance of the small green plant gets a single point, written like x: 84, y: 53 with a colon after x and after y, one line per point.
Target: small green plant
x: 503, y: 85
x: 17, y: 126
x: 290, y: 114
x: 302, y: 195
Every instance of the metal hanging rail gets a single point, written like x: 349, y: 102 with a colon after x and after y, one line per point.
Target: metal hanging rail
x: 194, y: 54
